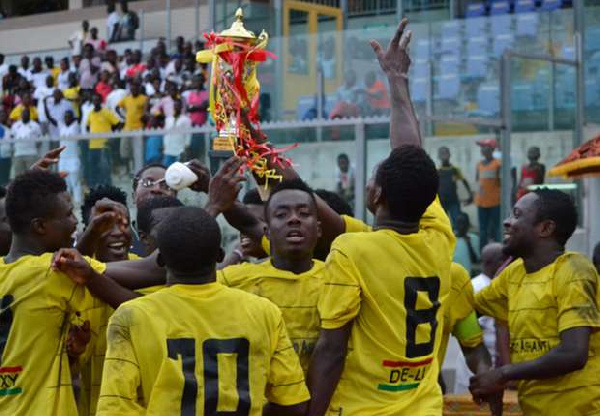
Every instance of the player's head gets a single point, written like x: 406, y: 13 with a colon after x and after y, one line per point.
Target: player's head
x: 545, y: 217
x: 292, y: 222
x: 533, y: 154
x: 189, y: 241
x: 462, y: 225
x: 149, y: 182
x: 406, y: 183
x: 492, y: 258
x: 114, y: 245
x: 40, y: 211
x: 150, y: 213
x: 256, y: 206
x: 444, y: 154
x: 596, y: 257
x: 343, y: 162
x: 5, y: 231
x: 335, y: 202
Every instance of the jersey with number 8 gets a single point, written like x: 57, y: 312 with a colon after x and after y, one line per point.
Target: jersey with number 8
x: 198, y: 350
x: 391, y: 286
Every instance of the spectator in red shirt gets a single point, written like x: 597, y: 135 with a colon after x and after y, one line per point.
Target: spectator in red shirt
x: 377, y: 95
x: 98, y: 44
x: 104, y: 87
x: 137, y: 68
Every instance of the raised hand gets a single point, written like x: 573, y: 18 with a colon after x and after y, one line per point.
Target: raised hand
x: 225, y: 186
x: 74, y: 265
x: 203, y: 174
x: 395, y: 60
x: 48, y: 160
x: 108, y: 213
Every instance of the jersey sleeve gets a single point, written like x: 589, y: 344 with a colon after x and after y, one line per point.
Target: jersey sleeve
x: 468, y: 332
x: 77, y: 297
x: 461, y: 295
x: 577, y: 295
x: 113, y: 118
x: 121, y: 377
x: 340, y: 300
x: 286, y: 385
x: 493, y: 300
x: 354, y: 225
x: 436, y: 223
x: 265, y: 244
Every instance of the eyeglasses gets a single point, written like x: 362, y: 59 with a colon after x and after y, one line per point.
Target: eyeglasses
x: 149, y: 183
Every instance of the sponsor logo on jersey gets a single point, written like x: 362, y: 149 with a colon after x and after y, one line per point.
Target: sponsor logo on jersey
x: 405, y: 375
x: 8, y: 381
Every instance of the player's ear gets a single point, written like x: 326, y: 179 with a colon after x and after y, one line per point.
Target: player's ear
x: 319, y: 230
x: 38, y: 226
x: 221, y: 255
x: 378, y: 195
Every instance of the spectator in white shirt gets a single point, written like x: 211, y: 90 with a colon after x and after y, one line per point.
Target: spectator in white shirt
x: 63, y: 77
x: 40, y: 94
x: 175, y: 144
x: 115, y: 96
x: 3, y: 70
x: 5, y: 148
x: 25, y: 132
x: 38, y: 73
x: 112, y: 24
x: 24, y: 69
x: 98, y: 43
x: 79, y: 38
x: 492, y: 258
x: 89, y: 68
x: 55, y: 108
x: 70, y: 161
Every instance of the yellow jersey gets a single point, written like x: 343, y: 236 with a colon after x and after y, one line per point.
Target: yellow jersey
x: 16, y: 113
x: 391, y: 287
x: 92, y: 361
x: 296, y: 295
x: 460, y: 319
x: 198, y: 350
x: 135, y: 108
x: 36, y: 306
x: 538, y: 307
x: 101, y: 122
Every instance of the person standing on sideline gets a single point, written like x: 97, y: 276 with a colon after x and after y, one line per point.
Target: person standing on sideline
x: 492, y: 258
x: 69, y: 161
x: 345, y: 179
x: 134, y: 105
x: 113, y: 23
x: 79, y: 38
x: 101, y: 120
x: 5, y: 149
x: 449, y: 176
x: 176, y: 143
x: 466, y: 252
x: 25, y: 131
x: 488, y: 197
x: 533, y: 173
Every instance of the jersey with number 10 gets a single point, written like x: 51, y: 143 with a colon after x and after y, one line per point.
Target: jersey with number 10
x: 198, y: 350
x: 391, y: 286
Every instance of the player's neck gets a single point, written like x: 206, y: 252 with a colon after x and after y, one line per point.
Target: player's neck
x: 541, y: 257
x: 24, y: 246
x: 384, y: 221
x: 194, y: 278
x: 294, y: 265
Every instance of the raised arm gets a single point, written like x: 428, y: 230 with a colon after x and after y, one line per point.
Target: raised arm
x: 404, y: 126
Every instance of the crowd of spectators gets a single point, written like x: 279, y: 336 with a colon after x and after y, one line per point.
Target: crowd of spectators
x: 96, y: 90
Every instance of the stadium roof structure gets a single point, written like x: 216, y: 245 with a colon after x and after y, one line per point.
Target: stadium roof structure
x: 582, y: 162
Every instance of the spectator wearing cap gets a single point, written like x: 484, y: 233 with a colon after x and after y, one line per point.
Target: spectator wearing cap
x: 488, y: 195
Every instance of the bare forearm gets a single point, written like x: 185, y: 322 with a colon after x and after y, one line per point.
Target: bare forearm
x: 323, y: 376
x: 478, y: 359
x: 557, y: 362
x: 272, y: 409
x: 109, y: 291
x: 404, y: 125
x: 137, y: 274
x: 87, y: 243
x: 242, y: 219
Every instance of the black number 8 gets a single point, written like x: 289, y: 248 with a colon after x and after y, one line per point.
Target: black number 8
x: 186, y: 348
x: 414, y: 317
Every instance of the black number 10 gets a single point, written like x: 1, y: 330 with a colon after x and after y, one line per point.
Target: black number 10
x: 211, y: 348
x: 416, y: 317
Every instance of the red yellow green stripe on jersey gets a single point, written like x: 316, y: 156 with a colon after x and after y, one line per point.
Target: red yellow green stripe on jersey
x: 405, y: 375
x: 8, y: 381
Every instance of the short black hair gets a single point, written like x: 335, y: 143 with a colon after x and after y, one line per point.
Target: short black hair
x: 2, y: 192
x: 409, y: 182
x: 96, y: 194
x: 296, y: 184
x: 31, y: 195
x: 252, y: 197
x: 189, y: 240
x: 335, y: 202
x: 343, y: 156
x: 557, y: 206
x: 144, y: 212
x: 138, y: 175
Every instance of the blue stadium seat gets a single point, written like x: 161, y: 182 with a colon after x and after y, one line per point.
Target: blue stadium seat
x: 551, y: 5
x: 476, y: 26
x: 448, y: 87
x: 499, y: 7
x: 423, y: 49
x: 477, y: 46
x: 476, y: 9
x: 449, y: 64
x: 592, y: 92
x: 501, y: 24
x: 592, y: 39
x: 527, y: 24
x: 524, y: 6
x: 502, y: 43
x: 476, y: 66
x: 522, y: 97
x: 419, y: 89
x: 564, y: 92
x: 488, y: 98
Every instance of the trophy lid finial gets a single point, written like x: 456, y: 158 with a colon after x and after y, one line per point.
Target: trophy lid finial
x: 237, y: 29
